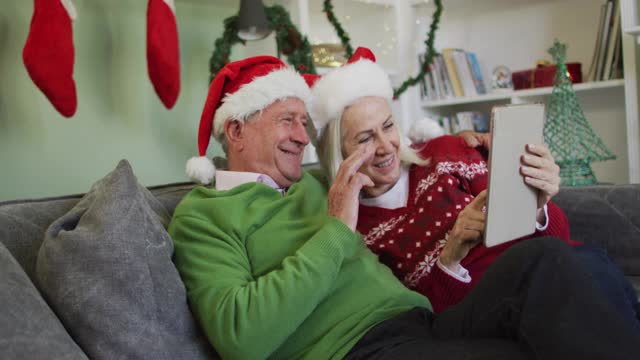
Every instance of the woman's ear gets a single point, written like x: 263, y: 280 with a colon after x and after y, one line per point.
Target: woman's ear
x: 234, y: 133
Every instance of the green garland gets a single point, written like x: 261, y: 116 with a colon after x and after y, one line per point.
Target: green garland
x: 289, y: 42
x: 296, y: 47
x: 428, y: 56
x: 344, y: 38
x: 425, y: 61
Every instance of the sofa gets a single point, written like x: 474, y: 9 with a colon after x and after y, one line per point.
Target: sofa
x: 90, y: 275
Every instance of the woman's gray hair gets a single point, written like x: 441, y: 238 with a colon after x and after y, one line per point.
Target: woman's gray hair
x: 329, y: 149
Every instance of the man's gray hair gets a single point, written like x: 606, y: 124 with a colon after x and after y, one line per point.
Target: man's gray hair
x: 222, y: 139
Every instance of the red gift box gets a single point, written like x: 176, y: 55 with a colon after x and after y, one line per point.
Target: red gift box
x: 543, y: 76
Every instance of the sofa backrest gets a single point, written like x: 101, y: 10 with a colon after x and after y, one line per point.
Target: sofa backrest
x: 23, y: 222
x: 605, y: 215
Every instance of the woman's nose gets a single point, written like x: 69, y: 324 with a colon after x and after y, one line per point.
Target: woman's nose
x: 384, y: 145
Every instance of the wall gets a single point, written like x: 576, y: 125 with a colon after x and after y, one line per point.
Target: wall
x: 119, y: 115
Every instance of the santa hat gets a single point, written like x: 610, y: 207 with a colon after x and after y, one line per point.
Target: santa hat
x: 339, y: 88
x: 240, y: 89
x: 361, y: 76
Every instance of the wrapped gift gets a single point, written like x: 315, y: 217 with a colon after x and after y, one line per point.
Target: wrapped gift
x: 543, y: 75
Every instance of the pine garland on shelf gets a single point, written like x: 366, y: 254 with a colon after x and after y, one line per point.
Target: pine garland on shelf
x: 289, y: 42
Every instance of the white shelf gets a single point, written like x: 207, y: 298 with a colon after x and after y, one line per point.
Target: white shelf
x: 510, y: 94
x: 634, y: 30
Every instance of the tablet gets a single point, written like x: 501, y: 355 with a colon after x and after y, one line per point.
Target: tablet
x: 511, y: 204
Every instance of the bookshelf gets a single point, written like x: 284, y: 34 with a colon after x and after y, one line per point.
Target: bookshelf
x: 517, y: 33
x: 517, y: 95
x: 631, y: 30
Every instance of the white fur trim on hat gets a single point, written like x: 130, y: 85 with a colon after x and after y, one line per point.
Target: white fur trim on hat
x: 201, y: 169
x: 260, y: 93
x: 425, y: 130
x: 342, y: 86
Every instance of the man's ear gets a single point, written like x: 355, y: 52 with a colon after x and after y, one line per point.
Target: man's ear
x: 234, y: 133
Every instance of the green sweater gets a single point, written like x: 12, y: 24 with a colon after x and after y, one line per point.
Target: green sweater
x: 273, y: 276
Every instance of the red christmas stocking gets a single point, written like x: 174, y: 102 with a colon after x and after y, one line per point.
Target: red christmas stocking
x: 163, y: 58
x: 48, y: 53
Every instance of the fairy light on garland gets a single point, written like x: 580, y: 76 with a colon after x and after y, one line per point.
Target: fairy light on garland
x: 344, y: 38
x: 289, y: 42
x: 428, y: 56
x: 425, y: 61
x: 296, y: 47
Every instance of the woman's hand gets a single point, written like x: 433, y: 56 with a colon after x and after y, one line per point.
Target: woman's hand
x: 344, y: 194
x: 466, y: 233
x: 541, y: 171
x: 475, y: 139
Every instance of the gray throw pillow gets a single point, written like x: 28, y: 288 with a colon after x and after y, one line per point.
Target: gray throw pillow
x: 28, y: 327
x: 105, y: 267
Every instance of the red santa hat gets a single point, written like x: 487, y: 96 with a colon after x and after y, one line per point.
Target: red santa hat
x: 240, y: 89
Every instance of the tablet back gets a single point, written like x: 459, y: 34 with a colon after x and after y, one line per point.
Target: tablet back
x: 511, y: 204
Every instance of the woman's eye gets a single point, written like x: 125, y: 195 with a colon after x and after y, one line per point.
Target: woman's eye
x: 389, y: 126
x: 364, y: 140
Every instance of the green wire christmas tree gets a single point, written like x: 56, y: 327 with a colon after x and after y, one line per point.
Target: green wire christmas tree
x: 572, y: 141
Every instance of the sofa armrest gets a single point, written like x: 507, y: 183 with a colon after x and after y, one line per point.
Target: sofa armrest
x: 608, y: 216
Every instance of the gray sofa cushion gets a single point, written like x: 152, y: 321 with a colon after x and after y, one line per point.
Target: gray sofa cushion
x: 105, y: 267
x: 22, y: 226
x: 30, y: 330
x: 608, y: 216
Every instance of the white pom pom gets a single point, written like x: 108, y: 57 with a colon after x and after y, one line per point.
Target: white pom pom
x: 425, y: 130
x: 201, y: 169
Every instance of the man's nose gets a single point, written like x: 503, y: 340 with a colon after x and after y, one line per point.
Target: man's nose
x: 299, y: 133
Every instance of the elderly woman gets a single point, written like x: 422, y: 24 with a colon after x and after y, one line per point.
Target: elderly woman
x: 421, y: 210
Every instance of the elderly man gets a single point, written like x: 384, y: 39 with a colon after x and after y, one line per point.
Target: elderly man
x: 274, y: 269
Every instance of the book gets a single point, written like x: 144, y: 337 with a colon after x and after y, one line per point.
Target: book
x: 450, y: 64
x: 480, y: 122
x: 435, y: 78
x: 591, y: 74
x: 445, y: 123
x: 604, y: 41
x: 474, y: 65
x: 444, y: 76
x: 613, y: 38
x: 464, y: 121
x: 429, y: 86
x: 464, y: 73
x: 616, y: 65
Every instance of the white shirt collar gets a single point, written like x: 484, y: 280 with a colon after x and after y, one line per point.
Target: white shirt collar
x: 226, y: 180
x: 396, y: 197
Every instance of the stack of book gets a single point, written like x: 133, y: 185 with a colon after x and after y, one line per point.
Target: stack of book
x: 467, y: 120
x: 453, y: 73
x: 606, y: 62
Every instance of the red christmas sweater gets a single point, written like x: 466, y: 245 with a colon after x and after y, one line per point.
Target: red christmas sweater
x: 409, y: 239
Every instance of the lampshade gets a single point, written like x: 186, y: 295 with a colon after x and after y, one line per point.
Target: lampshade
x: 252, y: 20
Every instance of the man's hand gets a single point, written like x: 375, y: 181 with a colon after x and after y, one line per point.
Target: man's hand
x: 466, y: 233
x: 344, y: 193
x: 474, y: 139
x: 541, y: 171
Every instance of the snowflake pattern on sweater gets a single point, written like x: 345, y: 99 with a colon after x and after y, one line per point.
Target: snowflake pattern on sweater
x: 409, y: 240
